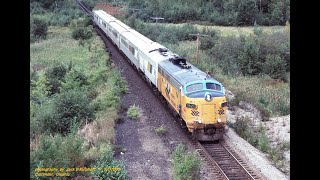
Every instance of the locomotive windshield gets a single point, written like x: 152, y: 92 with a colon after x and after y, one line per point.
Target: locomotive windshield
x: 213, y: 86
x: 194, y: 87
x: 199, y: 89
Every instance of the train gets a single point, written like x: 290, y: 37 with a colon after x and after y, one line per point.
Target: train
x: 198, y: 99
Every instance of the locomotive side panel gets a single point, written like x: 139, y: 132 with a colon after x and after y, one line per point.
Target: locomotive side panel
x: 169, y: 90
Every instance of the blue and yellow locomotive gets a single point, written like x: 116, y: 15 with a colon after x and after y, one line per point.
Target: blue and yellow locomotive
x: 198, y: 99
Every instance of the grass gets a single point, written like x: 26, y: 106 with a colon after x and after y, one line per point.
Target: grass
x: 224, y: 31
x: 133, y: 112
x: 186, y: 165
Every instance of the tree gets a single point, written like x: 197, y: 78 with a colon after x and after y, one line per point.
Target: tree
x: 247, y: 12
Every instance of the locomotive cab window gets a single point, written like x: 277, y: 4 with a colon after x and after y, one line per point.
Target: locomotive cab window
x: 194, y: 87
x: 213, y: 86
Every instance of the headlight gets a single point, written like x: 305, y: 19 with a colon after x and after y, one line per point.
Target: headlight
x: 191, y: 105
x: 219, y: 120
x: 224, y: 104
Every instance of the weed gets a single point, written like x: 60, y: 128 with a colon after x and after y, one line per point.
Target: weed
x: 133, y: 112
x: 160, y: 130
x: 185, y: 165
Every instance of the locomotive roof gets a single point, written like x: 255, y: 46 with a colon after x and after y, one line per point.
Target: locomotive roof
x: 182, y: 75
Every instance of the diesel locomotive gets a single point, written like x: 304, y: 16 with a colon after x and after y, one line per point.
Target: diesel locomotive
x: 197, y: 98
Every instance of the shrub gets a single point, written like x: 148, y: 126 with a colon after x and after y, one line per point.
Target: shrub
x: 73, y: 79
x: 242, y: 126
x: 82, y: 33
x: 106, y: 162
x: 263, y: 141
x: 38, y: 28
x: 64, y: 109
x: 185, y: 165
x: 248, y: 58
x: 209, y: 41
x: 160, y: 130
x: 39, y: 88
x: 55, y: 75
x: 275, y: 67
x: 57, y: 152
x: 71, y: 106
x: 133, y: 112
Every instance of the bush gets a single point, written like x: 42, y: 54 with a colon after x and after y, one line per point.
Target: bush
x: 62, y: 110
x: 248, y: 59
x: 160, y: 130
x: 82, y: 33
x: 275, y: 67
x: 39, y: 89
x: 263, y: 141
x: 71, y: 106
x: 243, y: 127
x: 133, y: 112
x: 73, y: 80
x: 38, y: 28
x: 107, y: 167
x: 55, y: 75
x: 209, y: 41
x: 57, y: 152
x: 185, y: 165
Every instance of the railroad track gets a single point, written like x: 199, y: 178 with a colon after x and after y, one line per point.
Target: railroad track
x: 84, y: 8
x: 224, y: 162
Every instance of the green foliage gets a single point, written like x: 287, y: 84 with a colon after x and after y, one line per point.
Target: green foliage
x: 246, y: 12
x: 70, y: 106
x: 57, y: 152
x: 89, y: 3
x: 73, y: 80
x: 263, y: 140
x: 185, y: 165
x: 63, y: 110
x: 248, y: 59
x: 280, y: 12
x: 82, y: 33
x: 131, y: 21
x: 226, y: 12
x: 118, y: 82
x: 39, y: 88
x: 242, y: 126
x: 208, y: 42
x: 106, y: 163
x: 55, y: 76
x: 275, y: 67
x: 225, y: 53
x: 160, y: 130
x: 133, y: 112
x: 38, y: 28
x: 173, y: 34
